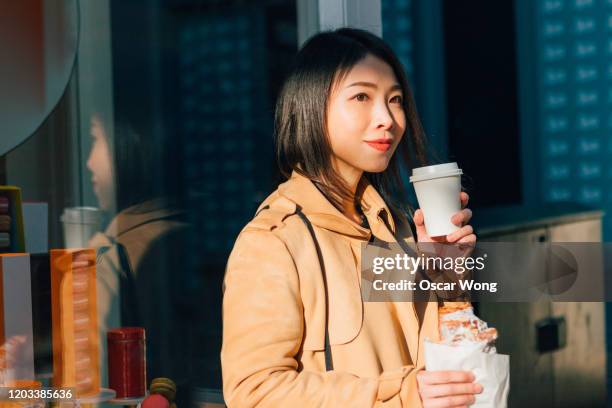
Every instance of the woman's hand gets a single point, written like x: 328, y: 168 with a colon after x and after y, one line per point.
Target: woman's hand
x: 464, y: 235
x: 442, y: 389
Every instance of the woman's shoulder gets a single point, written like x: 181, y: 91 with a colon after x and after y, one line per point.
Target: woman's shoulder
x: 272, y: 213
x: 263, y: 246
x: 288, y: 199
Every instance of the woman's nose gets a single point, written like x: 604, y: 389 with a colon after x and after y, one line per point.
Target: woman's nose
x: 89, y: 162
x: 384, y: 118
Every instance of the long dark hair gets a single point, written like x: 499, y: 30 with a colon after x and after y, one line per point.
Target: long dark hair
x: 302, y: 143
x: 134, y: 162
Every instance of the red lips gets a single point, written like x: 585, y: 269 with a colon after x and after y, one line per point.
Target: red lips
x: 380, y: 144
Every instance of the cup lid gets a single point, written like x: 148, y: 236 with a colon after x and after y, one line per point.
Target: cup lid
x: 81, y: 215
x: 435, y: 171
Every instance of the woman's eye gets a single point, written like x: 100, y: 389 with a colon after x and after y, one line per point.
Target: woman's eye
x: 361, y: 97
x: 396, y: 99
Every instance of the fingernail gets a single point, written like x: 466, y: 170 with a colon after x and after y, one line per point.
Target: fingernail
x: 479, y: 388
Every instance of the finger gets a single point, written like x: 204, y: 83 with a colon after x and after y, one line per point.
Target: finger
x: 464, y: 199
x: 445, y: 377
x: 450, y: 389
x: 469, y: 240
x: 418, y: 218
x: 462, y: 217
x: 460, y: 233
x: 454, y: 401
x: 419, y: 223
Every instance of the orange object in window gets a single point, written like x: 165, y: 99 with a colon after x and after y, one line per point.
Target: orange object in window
x: 74, y: 315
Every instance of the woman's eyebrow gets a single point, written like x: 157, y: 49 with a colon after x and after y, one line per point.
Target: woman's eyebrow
x: 373, y: 85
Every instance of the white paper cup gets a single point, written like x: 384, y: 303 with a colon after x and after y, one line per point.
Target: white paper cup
x: 437, y: 189
x: 80, y: 224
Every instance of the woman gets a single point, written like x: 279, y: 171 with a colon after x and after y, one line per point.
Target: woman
x: 142, y: 248
x: 343, y: 111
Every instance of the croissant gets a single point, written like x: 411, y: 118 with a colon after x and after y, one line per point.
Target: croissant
x: 459, y: 325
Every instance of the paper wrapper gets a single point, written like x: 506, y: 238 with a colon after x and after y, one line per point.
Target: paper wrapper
x: 467, y: 344
x: 492, y: 370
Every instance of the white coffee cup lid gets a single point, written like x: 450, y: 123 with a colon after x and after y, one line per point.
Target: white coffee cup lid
x: 435, y: 171
x: 81, y: 215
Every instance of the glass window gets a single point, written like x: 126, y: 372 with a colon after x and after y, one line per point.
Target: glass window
x: 174, y: 163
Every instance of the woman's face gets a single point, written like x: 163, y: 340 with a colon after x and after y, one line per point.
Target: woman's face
x: 365, y: 118
x: 100, y: 165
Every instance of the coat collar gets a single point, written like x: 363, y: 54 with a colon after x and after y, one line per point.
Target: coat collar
x: 322, y: 213
x: 139, y: 214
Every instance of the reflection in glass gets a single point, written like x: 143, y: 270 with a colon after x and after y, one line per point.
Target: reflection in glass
x: 141, y: 251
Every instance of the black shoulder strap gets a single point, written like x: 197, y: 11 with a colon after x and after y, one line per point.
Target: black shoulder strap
x: 130, y: 313
x: 329, y: 365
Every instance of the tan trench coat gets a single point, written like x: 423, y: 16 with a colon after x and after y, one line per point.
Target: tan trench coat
x: 274, y: 311
x: 153, y: 234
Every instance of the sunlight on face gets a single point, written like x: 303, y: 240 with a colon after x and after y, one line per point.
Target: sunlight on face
x: 365, y: 118
x: 100, y: 165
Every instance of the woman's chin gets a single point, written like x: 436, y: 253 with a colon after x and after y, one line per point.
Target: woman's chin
x: 376, y: 166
